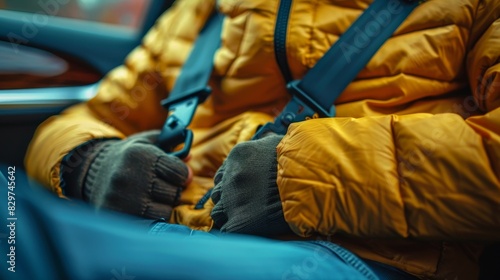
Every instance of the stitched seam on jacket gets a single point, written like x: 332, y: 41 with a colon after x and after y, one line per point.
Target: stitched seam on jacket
x: 440, y: 259
x: 399, y: 177
x: 310, y: 49
x: 237, y: 53
x: 474, y: 18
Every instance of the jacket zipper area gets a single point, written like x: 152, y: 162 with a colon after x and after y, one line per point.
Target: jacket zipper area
x: 280, y: 32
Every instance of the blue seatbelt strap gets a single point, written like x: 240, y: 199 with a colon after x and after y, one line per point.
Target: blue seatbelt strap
x: 314, y: 95
x: 190, y: 89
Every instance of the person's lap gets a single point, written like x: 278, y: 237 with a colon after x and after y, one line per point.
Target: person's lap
x: 60, y: 239
x: 307, y: 259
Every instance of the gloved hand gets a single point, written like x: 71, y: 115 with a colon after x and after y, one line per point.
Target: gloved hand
x: 130, y: 175
x: 245, y: 195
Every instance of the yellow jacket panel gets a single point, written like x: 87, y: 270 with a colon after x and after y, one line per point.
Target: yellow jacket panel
x: 406, y: 174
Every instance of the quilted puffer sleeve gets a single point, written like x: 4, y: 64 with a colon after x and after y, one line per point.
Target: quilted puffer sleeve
x: 421, y: 175
x: 418, y: 175
x: 128, y: 99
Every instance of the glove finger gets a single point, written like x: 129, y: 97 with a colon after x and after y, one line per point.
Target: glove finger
x: 219, y: 215
x: 216, y: 194
x: 172, y: 170
x: 156, y: 210
x: 217, y: 190
x: 219, y: 174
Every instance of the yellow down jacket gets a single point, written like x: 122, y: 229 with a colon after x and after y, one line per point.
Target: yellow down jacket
x: 407, y: 173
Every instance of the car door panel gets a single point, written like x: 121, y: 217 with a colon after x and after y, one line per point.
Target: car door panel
x: 84, y: 52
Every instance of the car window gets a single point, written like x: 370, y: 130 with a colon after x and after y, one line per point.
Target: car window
x: 127, y: 14
x: 47, y: 43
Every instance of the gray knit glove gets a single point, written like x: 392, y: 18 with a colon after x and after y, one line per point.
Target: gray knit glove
x: 131, y: 175
x: 245, y: 195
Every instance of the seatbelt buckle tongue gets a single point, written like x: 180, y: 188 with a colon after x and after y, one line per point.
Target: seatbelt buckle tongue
x: 295, y: 111
x: 201, y: 94
x: 174, y: 131
x: 270, y: 128
x: 307, y: 102
x: 301, y: 107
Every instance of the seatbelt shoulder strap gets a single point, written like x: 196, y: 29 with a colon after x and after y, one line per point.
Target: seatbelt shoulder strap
x: 314, y: 95
x: 190, y: 89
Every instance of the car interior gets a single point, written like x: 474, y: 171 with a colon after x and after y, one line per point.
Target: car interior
x: 53, y: 55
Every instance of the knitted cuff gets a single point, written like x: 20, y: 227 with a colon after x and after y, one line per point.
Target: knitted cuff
x: 246, y: 196
x: 274, y: 209
x: 273, y: 222
x: 75, y: 164
x: 94, y: 166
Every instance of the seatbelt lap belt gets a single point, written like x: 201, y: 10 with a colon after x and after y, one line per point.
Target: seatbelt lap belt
x: 312, y: 97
